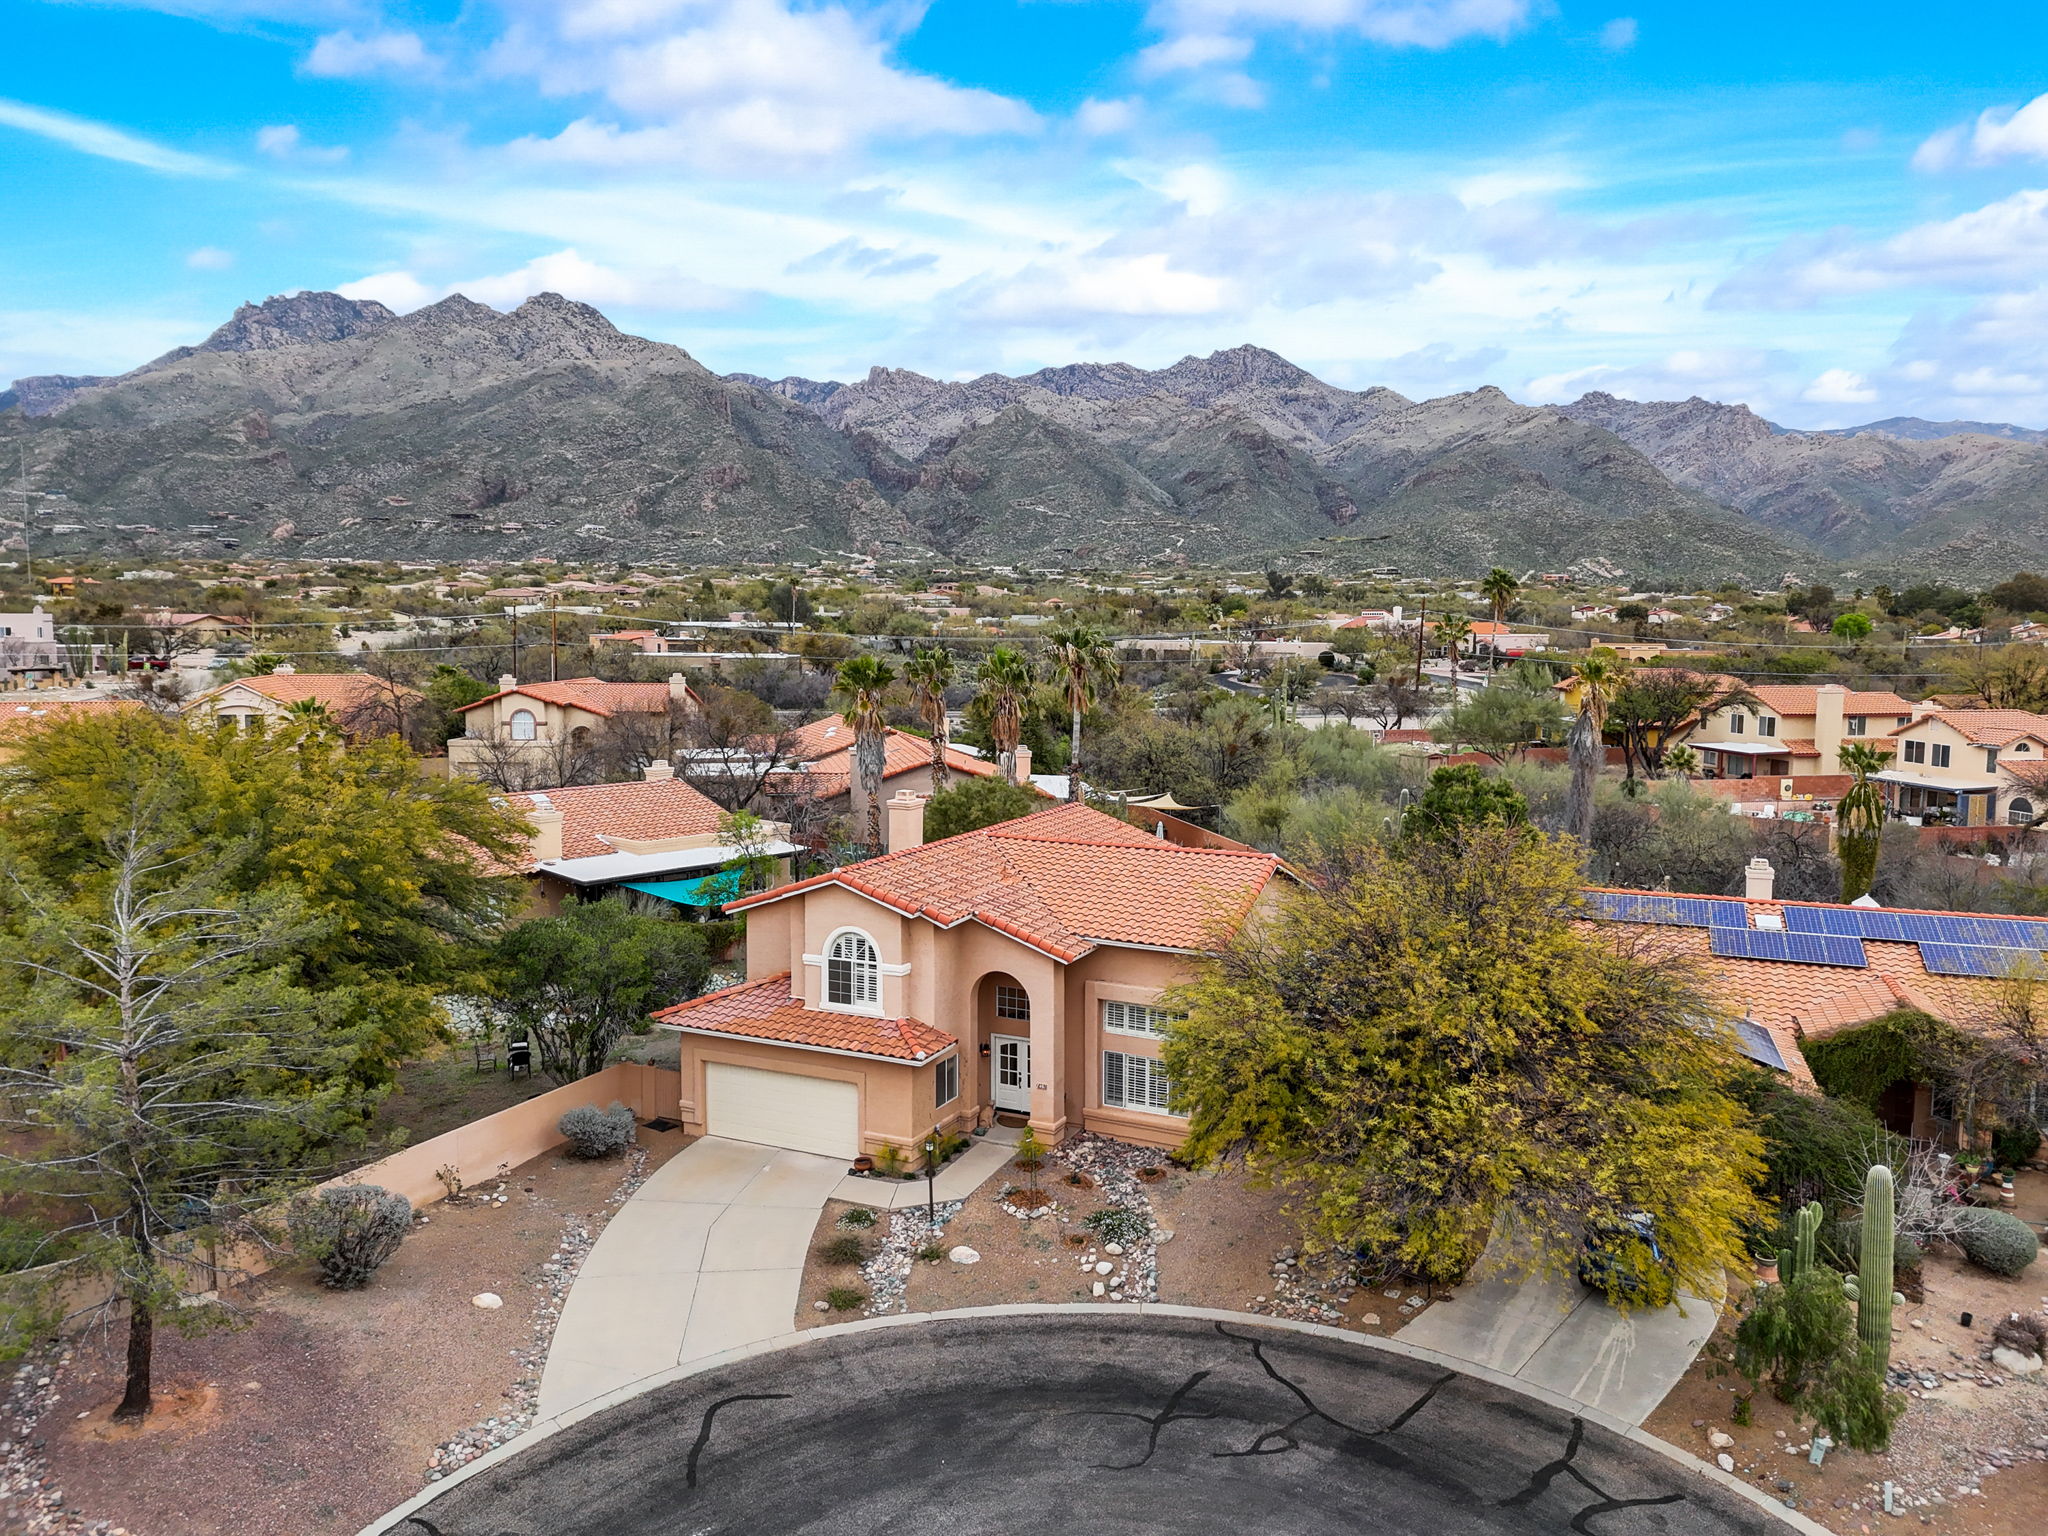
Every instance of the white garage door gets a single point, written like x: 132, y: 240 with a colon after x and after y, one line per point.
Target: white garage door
x: 781, y: 1109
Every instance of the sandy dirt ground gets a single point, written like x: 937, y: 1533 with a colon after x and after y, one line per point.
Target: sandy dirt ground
x: 325, y: 1409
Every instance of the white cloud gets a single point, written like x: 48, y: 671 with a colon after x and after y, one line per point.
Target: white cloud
x: 283, y: 141
x: 108, y: 143
x: 1398, y: 23
x: 1049, y: 290
x: 1192, y: 50
x: 1619, y: 35
x: 2001, y: 133
x: 1838, y: 386
x: 345, y: 54
x: 1107, y: 117
x: 567, y: 272
x: 210, y: 258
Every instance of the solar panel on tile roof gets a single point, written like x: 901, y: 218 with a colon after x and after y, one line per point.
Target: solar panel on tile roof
x: 1977, y: 960
x: 1799, y: 948
x: 1759, y: 1044
x: 1656, y: 907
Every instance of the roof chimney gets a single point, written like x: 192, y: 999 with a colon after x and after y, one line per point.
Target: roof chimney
x: 904, y: 827
x: 654, y: 773
x: 679, y: 694
x: 284, y: 669
x: 1758, y: 880
x: 547, y: 829
x: 507, y: 682
x: 1016, y: 765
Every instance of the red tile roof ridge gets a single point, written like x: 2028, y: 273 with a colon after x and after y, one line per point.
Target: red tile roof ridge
x: 1106, y: 842
x: 750, y: 985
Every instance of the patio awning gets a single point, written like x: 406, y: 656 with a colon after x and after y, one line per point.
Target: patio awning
x: 709, y: 891
x: 1917, y: 781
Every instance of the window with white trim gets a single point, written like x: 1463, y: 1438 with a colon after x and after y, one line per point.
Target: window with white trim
x: 522, y: 724
x: 1767, y: 725
x: 1859, y: 725
x: 946, y: 1081
x: 1916, y: 752
x: 853, y: 972
x: 1134, y: 1019
x: 1133, y: 1082
x: 1012, y: 1002
x: 1736, y: 725
x: 1939, y: 757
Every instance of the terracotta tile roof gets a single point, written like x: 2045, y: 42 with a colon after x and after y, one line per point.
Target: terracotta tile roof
x: 820, y: 737
x: 1990, y: 727
x: 2033, y: 774
x: 825, y: 747
x: 1800, y: 699
x: 16, y: 718
x: 1062, y: 880
x: 1406, y: 738
x: 767, y: 1010
x: 643, y: 810
x: 591, y: 694
x: 336, y: 690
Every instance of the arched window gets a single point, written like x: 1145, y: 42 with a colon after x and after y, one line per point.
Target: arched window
x: 853, y: 972
x: 2019, y: 810
x: 522, y: 725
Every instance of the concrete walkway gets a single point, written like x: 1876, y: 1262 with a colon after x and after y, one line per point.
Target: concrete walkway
x: 708, y: 1255
x: 1552, y: 1332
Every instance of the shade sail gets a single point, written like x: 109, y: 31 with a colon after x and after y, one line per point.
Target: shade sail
x: 708, y: 891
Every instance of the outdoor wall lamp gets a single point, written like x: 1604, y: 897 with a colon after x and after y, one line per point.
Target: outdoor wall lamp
x: 984, y: 1047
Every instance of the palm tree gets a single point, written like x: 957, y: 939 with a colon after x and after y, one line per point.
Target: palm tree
x: 1453, y: 632
x: 1859, y: 819
x: 1598, y: 677
x: 1082, y: 664
x: 1499, y: 588
x: 930, y: 674
x: 1003, y: 682
x: 1681, y: 762
x: 863, y: 685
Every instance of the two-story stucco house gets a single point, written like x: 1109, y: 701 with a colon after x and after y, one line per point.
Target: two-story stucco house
x: 1968, y: 767
x: 526, y: 735
x: 362, y: 706
x: 1018, y: 970
x: 1793, y: 729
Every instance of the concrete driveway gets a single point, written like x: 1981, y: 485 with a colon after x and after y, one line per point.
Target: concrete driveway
x: 708, y: 1255
x: 1139, y: 1421
x: 1553, y: 1333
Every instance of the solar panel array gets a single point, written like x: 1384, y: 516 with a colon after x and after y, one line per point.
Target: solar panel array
x: 1759, y: 1044
x: 1798, y: 948
x: 1677, y: 911
x: 1979, y: 960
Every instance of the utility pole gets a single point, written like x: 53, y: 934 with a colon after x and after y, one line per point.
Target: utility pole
x: 28, y: 554
x: 554, y: 640
x: 1421, y: 630
x: 512, y: 612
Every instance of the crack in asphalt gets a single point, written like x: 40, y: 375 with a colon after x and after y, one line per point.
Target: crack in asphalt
x: 1541, y: 1479
x: 1157, y: 1422
x: 1274, y: 1442
x: 704, y: 1429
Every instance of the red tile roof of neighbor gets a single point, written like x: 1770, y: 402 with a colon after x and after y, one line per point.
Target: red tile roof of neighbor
x: 1802, y: 699
x: 1992, y: 727
x: 1063, y: 881
x: 593, y: 812
x: 336, y: 690
x: 15, y: 718
x: 591, y: 694
x: 767, y: 1010
x: 825, y: 747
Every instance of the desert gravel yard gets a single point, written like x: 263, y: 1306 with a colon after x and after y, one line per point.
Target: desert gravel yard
x: 330, y: 1407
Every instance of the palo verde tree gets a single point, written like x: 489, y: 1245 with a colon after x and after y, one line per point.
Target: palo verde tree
x: 1859, y: 819
x: 163, y: 1071
x: 1430, y: 1053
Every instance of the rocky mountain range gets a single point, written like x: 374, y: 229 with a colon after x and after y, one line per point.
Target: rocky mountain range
x: 319, y: 425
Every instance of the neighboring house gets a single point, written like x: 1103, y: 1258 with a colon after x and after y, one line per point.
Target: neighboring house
x: 16, y: 720
x: 361, y: 706
x: 1967, y: 767
x: 1838, y: 980
x: 1503, y: 640
x: 656, y: 838
x: 647, y: 642
x: 529, y: 733
x: 823, y: 754
x: 203, y: 628
x: 1020, y: 969
x: 29, y: 651
x: 1792, y: 730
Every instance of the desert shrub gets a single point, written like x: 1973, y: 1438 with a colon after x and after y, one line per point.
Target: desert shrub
x: 594, y: 1132
x: 2026, y: 1332
x: 2015, y: 1142
x: 1118, y: 1224
x: 889, y: 1161
x: 859, y: 1216
x: 931, y: 1253
x: 843, y: 1250
x: 844, y: 1298
x: 349, y: 1230
x: 1998, y: 1241
x: 1801, y: 1335
x: 1813, y: 1146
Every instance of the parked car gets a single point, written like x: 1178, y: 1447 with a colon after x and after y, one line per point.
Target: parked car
x: 1622, y: 1260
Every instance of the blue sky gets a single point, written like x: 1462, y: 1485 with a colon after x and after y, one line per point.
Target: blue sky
x: 1832, y: 212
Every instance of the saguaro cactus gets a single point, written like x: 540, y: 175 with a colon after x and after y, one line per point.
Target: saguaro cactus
x: 1805, y: 1231
x: 1874, y: 1271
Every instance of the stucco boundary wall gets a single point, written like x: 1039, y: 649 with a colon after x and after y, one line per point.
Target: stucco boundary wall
x: 476, y: 1152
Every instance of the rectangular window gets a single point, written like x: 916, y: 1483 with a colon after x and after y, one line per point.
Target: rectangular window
x: 1737, y: 724
x: 1767, y: 725
x: 946, y: 1084
x: 1859, y: 725
x: 1940, y: 755
x: 1133, y: 1082
x: 1916, y: 752
x: 1134, y: 1019
x: 1012, y: 1003
x: 1991, y: 759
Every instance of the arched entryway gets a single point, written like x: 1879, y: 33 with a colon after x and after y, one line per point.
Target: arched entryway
x: 1003, y: 1008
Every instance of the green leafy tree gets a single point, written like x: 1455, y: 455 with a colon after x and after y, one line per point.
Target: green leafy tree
x: 1651, y: 708
x: 1852, y: 626
x: 162, y: 1071
x: 1502, y: 721
x: 1431, y: 1054
x: 929, y: 674
x: 1082, y: 666
x: 1458, y: 801
x: 578, y: 983
x: 1859, y: 819
x: 974, y: 803
x: 1499, y: 588
x: 863, y: 690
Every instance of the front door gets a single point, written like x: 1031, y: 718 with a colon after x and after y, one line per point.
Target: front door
x: 1010, y: 1080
